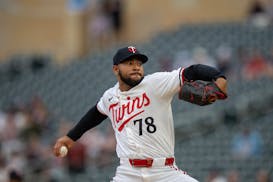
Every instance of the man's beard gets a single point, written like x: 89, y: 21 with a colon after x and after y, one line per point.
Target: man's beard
x: 129, y: 81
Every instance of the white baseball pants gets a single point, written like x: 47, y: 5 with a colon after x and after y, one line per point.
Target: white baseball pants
x: 158, y: 172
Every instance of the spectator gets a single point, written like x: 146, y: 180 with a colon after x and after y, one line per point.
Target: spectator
x: 10, y: 141
x: 17, y: 162
x: 76, y: 159
x: 256, y: 8
x: 14, y: 176
x: 247, y: 144
x: 35, y: 153
x: 31, y: 128
x: 10, y: 129
x: 99, y: 29
x: 39, y: 111
x: 116, y: 13
x: 233, y: 176
x: 262, y: 176
x: 256, y: 66
x: 215, y: 175
x: 258, y: 15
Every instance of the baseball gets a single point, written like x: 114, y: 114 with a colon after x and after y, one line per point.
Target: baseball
x: 63, y: 151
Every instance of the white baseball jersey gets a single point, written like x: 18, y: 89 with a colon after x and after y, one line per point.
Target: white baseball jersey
x: 142, y: 117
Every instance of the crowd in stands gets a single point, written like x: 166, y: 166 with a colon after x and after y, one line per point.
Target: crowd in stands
x: 27, y: 131
x: 241, y: 64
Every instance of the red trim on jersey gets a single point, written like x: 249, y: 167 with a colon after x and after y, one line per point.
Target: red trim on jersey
x: 127, y: 120
x: 149, y: 162
x: 177, y: 169
x: 182, y: 75
x: 169, y: 161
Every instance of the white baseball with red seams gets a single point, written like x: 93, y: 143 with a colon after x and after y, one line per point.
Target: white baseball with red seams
x: 142, y: 119
x: 63, y: 151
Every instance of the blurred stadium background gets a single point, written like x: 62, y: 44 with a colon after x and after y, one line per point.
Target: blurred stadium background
x: 55, y: 62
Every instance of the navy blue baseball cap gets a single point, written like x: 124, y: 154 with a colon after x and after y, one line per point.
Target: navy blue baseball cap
x: 126, y: 53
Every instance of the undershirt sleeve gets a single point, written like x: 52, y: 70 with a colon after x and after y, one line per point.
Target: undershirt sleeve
x: 202, y: 72
x: 91, y: 119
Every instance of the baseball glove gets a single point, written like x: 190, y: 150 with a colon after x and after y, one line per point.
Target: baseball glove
x: 201, y: 92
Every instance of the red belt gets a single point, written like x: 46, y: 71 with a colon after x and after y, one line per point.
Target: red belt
x: 149, y: 162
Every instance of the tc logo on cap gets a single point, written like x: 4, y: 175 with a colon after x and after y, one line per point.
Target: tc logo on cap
x: 132, y: 49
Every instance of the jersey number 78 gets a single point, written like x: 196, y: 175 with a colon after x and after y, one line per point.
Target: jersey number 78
x: 149, y: 122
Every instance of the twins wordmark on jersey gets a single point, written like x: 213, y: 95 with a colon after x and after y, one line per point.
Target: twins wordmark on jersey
x: 123, y: 113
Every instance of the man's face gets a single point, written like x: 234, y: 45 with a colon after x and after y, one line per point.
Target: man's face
x: 130, y: 72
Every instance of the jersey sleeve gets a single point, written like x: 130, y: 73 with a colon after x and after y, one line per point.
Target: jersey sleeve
x: 101, y: 105
x: 167, y: 83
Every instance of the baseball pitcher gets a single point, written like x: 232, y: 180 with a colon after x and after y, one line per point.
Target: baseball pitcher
x: 140, y: 111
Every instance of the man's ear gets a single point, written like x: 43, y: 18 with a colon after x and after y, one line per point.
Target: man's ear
x: 115, y: 69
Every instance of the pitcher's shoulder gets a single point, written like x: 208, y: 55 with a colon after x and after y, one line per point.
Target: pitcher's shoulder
x: 111, y: 90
